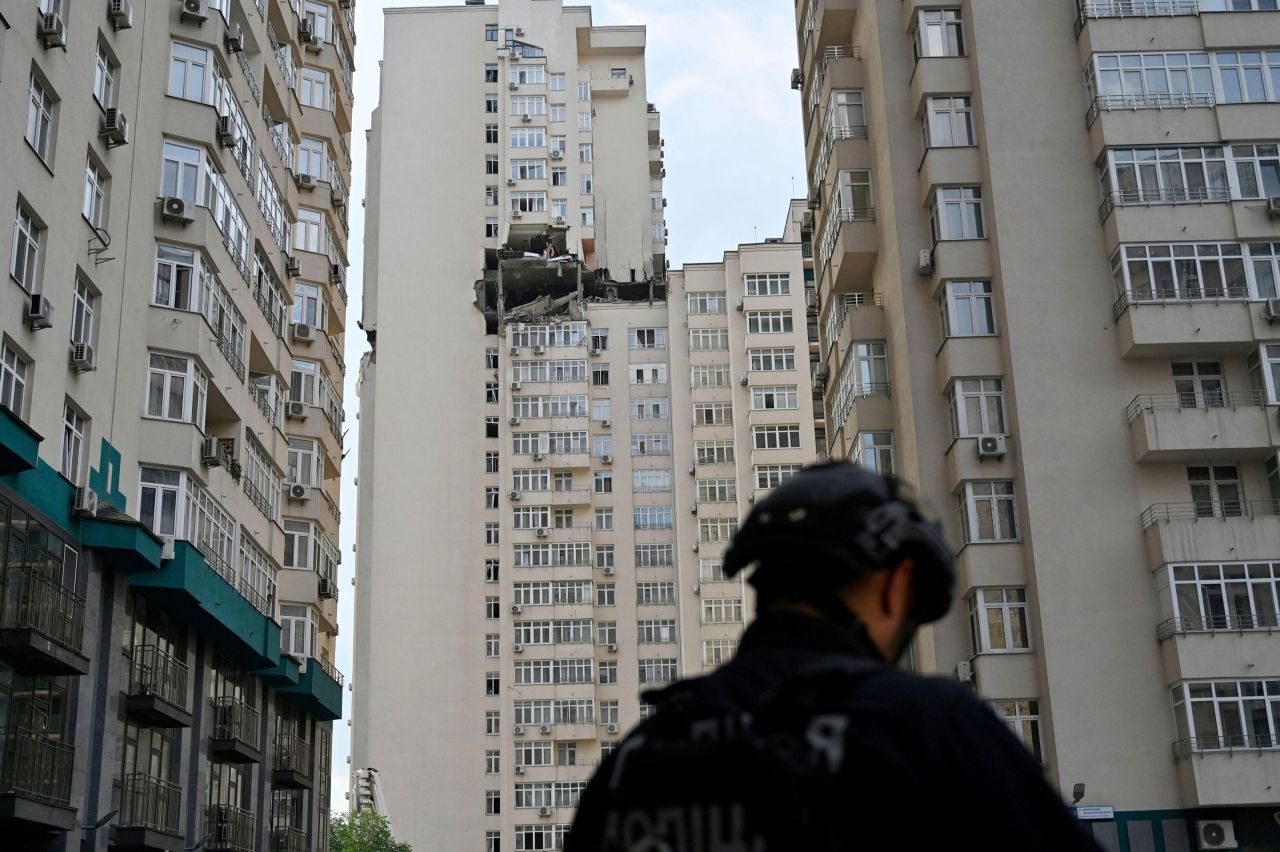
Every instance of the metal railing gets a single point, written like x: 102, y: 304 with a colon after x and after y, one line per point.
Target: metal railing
x: 151, y: 803
x: 230, y: 829
x: 336, y: 350
x: 1134, y: 9
x: 269, y: 403
x: 286, y: 838
x: 1173, y: 195
x: 35, y: 766
x: 233, y: 719
x: 256, y: 599
x: 330, y: 505
x: 1183, y: 296
x: 273, y: 312
x: 1163, y: 100
x: 871, y: 389
x: 1233, y: 742
x: 254, y: 86
x: 330, y: 670
x: 157, y: 672
x: 258, y: 499
x: 1225, y: 623
x: 291, y: 753
x: 1206, y: 509
x: 35, y: 601
x: 1193, y: 401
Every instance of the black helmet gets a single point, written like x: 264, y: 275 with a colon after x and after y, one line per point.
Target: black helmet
x: 832, y: 522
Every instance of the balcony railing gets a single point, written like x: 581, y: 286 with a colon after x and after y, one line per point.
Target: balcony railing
x: 230, y: 829
x: 273, y: 310
x: 256, y: 599
x: 1206, y: 509
x: 291, y: 753
x: 1218, y: 624
x: 1176, y: 195
x: 1233, y: 742
x: 329, y: 504
x: 260, y: 501
x: 288, y: 839
x: 1134, y: 9
x: 269, y: 403
x: 34, y: 601
x: 233, y: 719
x: 156, y: 672
x: 35, y: 766
x: 1193, y: 292
x: 254, y: 86
x: 1161, y: 100
x: 840, y: 311
x: 1193, y: 401
x: 330, y: 670
x: 150, y: 803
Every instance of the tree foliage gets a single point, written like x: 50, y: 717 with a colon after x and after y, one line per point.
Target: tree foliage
x: 365, y: 831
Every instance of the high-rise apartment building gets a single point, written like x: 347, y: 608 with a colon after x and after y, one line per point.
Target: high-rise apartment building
x: 557, y: 438
x: 171, y: 332
x: 1046, y: 236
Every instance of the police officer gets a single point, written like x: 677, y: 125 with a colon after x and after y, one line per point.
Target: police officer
x: 810, y: 738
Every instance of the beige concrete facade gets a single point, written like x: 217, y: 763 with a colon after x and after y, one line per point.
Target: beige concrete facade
x: 1092, y: 420
x: 555, y: 445
x: 172, y: 326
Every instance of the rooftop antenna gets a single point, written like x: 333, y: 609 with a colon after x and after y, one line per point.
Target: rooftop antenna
x: 756, y: 230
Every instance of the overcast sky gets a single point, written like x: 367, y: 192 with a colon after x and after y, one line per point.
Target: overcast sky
x: 719, y: 72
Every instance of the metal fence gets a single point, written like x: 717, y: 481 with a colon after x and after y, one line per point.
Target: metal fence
x: 149, y: 802
x: 1226, y: 623
x: 1193, y: 401
x: 35, y: 601
x: 233, y: 719
x: 230, y: 829
x: 291, y: 754
x: 1207, y: 509
x: 35, y: 766
x: 156, y: 672
x: 1232, y: 742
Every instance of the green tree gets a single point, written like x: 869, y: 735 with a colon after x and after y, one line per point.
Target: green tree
x: 365, y: 831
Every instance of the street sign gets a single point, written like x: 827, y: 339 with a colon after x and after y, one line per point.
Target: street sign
x: 1096, y: 812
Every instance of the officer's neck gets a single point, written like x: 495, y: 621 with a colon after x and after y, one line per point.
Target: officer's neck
x: 838, y: 612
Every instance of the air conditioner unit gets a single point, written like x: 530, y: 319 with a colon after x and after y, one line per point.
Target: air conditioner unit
x: 693, y: 508
x: 336, y: 196
x: 514, y: 421
x: 52, y: 30
x: 1273, y: 207
x: 540, y: 532
x: 515, y: 214
x: 964, y: 671
x: 751, y: 498
x: 743, y: 380
x: 304, y: 180
x: 607, y: 570
x: 560, y: 221
x: 515, y: 350
x: 692, y: 469
x: 519, y: 770
x: 739, y: 306
x: 517, y: 649
x: 525, y: 118
x: 303, y: 333
x: 924, y: 262
x: 519, y: 33
x: 83, y: 358
x: 195, y: 12
x: 228, y: 136
x: 612, y: 648
x: 992, y: 446
x: 557, y: 155
x: 545, y: 729
x: 328, y: 589
x: 612, y: 727
x: 305, y: 36
x: 1215, y: 834
x: 511, y: 181
x: 335, y: 273
x: 301, y: 493
x: 39, y: 312
x: 697, y: 588
x: 120, y: 13
x: 1271, y: 311
x: 544, y: 812
x: 174, y: 210
x: 537, y: 456
x: 606, y: 459
x: 113, y: 127
x: 518, y: 730
x: 209, y: 452
x: 695, y: 547
x: 85, y: 503
x: 514, y: 496
x: 168, y: 546
x: 234, y: 39
x: 513, y: 85
x: 606, y: 423
x: 296, y: 410
x: 292, y: 266
x: 515, y: 608
x: 539, y: 349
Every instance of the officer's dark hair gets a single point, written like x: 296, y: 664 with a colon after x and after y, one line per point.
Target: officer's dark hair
x: 832, y: 524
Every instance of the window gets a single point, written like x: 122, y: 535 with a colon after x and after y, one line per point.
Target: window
x: 309, y: 307
x: 556, y: 82
x: 772, y: 360
x: 600, y: 376
x: 709, y: 375
x: 656, y: 631
x: 713, y: 452
x: 712, y: 413
x: 177, y: 389
x: 491, y: 359
x: 314, y: 89
x: 491, y: 571
x: 189, y: 72
x: 654, y: 555
x: 492, y: 608
x: 304, y: 462
x: 1199, y: 384
x: 1248, y: 76
x: 948, y: 123
x: 775, y: 437
x: 492, y: 802
x: 561, y: 144
x: 722, y: 610
x: 490, y: 32
x: 709, y: 339
x: 977, y: 407
x: 1216, y: 491
x: 491, y: 393
x: 1214, y: 596
x: 528, y: 75
x: 584, y: 91
x: 968, y: 309
x: 608, y: 671
x: 1024, y: 718
x: 560, y: 177
x: 297, y: 630
x: 82, y: 309
x: 1146, y: 273
x: 491, y: 227
x: 604, y: 519
x: 308, y: 231
x: 606, y: 634
x: 588, y: 217
x: 769, y: 322
x: 1227, y: 714
x: 1257, y: 170
x: 658, y: 671
x: 655, y: 408
x: 73, y: 439
x: 492, y: 644
x: 491, y: 164
x: 27, y: 237
x: 528, y: 202
x: 492, y: 761
x: 716, y: 529
x: 600, y: 339
x: 528, y: 105
x: 584, y: 184
x: 768, y: 284
x: 584, y: 152
x: 874, y: 451
x: 650, y: 593
x: 1164, y: 175
x: 939, y: 32
x: 531, y: 517
x: 767, y: 398
x: 712, y: 569
x: 528, y: 137
x: 956, y: 214
x: 492, y: 683
x: 998, y: 620
x: 491, y: 103
x: 491, y: 533
x: 528, y: 169
x: 104, y: 78
x: 558, y: 113
x: 312, y: 158
x: 584, y: 122
x: 606, y: 592
x: 297, y: 544
x: 603, y: 482
x: 652, y: 517
x: 773, y: 475
x: 988, y: 512
x: 717, y: 651
x: 707, y: 303
x: 651, y: 480
x: 648, y: 374
x: 717, y: 490
x: 530, y: 480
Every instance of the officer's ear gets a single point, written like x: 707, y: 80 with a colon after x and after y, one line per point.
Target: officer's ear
x: 897, y: 594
